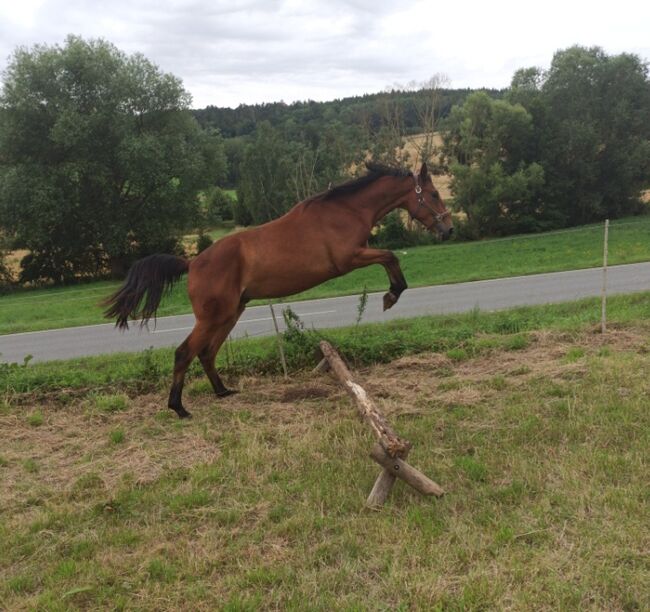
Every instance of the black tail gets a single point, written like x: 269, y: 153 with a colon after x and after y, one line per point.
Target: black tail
x: 151, y: 275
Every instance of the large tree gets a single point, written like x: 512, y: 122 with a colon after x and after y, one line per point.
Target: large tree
x: 100, y: 158
x: 591, y: 113
x: 495, y: 181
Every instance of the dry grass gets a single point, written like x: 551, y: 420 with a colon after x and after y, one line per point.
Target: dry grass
x: 257, y: 503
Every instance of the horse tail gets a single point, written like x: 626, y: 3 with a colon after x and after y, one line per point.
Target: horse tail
x: 151, y: 275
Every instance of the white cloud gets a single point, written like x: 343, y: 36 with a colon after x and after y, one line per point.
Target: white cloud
x: 254, y: 51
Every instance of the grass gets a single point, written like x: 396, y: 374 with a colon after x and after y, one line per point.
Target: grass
x: 428, y: 265
x: 257, y: 503
x: 107, y: 380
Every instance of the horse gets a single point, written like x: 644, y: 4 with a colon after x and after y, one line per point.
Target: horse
x: 320, y: 238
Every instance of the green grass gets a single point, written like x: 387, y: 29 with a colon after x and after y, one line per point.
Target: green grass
x: 428, y: 265
x: 105, y: 380
x: 257, y: 503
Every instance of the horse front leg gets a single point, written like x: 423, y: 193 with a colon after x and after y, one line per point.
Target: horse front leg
x: 366, y: 257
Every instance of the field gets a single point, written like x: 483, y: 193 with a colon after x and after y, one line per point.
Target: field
x: 537, y: 427
x: 428, y: 265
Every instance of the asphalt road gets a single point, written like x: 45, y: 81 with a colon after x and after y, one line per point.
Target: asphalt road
x: 334, y: 312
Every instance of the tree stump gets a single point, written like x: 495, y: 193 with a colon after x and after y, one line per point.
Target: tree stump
x: 391, y: 450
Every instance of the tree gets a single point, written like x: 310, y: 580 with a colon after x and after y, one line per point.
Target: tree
x: 495, y: 182
x: 275, y: 173
x: 100, y: 159
x: 264, y: 191
x: 592, y: 132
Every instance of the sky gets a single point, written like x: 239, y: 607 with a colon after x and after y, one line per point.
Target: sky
x: 250, y: 51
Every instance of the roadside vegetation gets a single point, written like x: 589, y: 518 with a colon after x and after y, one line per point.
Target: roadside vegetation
x: 536, y: 426
x: 463, y: 335
x: 427, y: 265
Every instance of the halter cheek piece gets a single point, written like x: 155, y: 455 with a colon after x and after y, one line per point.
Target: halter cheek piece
x: 437, y: 217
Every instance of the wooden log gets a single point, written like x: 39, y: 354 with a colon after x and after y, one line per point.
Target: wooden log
x: 386, y: 436
x: 382, y: 488
x: 406, y: 472
x: 323, y: 366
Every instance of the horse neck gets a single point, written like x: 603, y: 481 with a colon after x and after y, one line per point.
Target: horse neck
x: 383, y: 196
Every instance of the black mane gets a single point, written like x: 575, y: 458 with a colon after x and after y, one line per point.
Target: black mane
x: 375, y: 171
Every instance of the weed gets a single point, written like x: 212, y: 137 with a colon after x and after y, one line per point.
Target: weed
x: 361, y: 306
x: 35, y: 419
x: 110, y: 402
x: 117, y: 436
x: 574, y: 354
x: 30, y: 466
x: 458, y: 354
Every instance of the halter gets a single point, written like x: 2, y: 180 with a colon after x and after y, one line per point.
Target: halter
x: 437, y: 217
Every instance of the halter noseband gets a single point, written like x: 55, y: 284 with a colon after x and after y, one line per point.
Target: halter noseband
x: 437, y: 217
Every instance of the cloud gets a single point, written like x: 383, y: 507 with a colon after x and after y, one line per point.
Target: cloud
x: 253, y: 51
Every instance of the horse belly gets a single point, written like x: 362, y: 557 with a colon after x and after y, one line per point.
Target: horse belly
x: 282, y: 280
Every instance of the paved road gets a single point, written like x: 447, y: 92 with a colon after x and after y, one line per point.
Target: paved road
x: 335, y: 312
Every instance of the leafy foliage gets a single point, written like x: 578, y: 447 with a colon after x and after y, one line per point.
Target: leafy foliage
x: 277, y: 172
x: 101, y: 159
x: 568, y: 146
x: 495, y: 182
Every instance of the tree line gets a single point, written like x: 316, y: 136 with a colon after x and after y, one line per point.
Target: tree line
x: 102, y: 159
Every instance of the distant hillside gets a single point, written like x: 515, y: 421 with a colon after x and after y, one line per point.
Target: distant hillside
x: 365, y: 111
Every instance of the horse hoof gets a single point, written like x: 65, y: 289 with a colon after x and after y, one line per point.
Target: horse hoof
x: 227, y: 392
x: 182, y: 413
x: 390, y: 299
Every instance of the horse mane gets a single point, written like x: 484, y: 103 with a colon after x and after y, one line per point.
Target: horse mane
x: 375, y: 171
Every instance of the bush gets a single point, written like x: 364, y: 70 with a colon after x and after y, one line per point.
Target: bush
x: 203, y: 242
x: 393, y: 234
x: 6, y: 278
x: 217, y: 207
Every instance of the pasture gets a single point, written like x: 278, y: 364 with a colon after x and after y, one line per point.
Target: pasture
x: 427, y: 265
x: 537, y: 427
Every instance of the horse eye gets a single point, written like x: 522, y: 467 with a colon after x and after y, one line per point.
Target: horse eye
x: 435, y: 195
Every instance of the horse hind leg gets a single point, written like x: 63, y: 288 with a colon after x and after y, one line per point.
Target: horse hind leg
x: 209, y: 353
x: 198, y: 339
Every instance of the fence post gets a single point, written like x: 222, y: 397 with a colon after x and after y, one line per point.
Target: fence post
x: 603, y: 296
x: 280, y: 346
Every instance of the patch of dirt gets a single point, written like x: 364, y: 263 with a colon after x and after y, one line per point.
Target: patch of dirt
x: 309, y: 392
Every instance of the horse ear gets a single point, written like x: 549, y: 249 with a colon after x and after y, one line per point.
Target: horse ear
x: 424, y: 172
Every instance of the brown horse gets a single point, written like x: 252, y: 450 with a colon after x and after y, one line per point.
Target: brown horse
x: 318, y: 239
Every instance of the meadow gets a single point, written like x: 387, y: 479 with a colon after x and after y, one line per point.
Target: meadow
x: 427, y: 265
x: 536, y: 425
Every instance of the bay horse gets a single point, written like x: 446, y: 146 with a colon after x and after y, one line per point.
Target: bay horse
x: 320, y: 238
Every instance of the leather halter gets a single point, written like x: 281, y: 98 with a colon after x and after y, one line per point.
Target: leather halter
x: 437, y: 217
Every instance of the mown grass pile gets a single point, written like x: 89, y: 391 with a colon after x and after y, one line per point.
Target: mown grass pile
x: 540, y: 439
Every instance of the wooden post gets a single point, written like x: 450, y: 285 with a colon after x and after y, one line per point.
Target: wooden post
x: 603, y: 295
x: 280, y: 346
x: 391, y: 450
x: 406, y: 472
x: 382, y: 488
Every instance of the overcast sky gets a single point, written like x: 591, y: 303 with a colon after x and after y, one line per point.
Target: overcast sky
x: 233, y: 52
